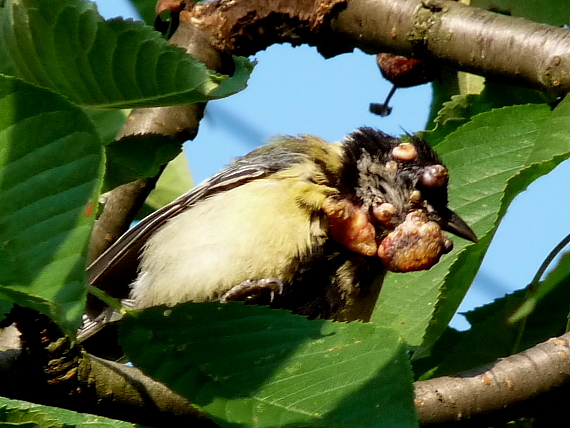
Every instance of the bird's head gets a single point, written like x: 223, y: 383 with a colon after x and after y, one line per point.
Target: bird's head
x: 401, y: 187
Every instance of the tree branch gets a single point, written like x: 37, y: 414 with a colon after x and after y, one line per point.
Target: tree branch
x: 509, y: 389
x: 126, y: 393
x: 532, y: 382
x: 462, y: 37
x: 108, y: 389
x: 49, y: 368
x: 120, y: 206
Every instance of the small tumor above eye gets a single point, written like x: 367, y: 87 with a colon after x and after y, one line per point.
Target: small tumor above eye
x: 405, y: 152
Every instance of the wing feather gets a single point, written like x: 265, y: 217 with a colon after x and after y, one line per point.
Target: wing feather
x: 118, y: 266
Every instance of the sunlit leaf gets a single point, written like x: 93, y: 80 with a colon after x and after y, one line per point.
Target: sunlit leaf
x: 553, y: 12
x: 15, y: 413
x: 66, y: 45
x: 259, y: 367
x: 50, y: 169
x: 491, y: 159
x: 460, y: 108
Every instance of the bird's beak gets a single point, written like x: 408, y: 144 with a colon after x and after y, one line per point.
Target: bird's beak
x: 451, y: 222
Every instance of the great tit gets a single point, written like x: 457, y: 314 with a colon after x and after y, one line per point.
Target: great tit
x: 299, y: 224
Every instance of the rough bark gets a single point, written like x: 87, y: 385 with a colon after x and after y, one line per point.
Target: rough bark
x: 523, y: 384
x: 462, y: 37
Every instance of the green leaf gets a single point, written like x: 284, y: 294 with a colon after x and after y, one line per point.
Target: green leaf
x: 23, y: 414
x: 138, y: 156
x: 68, y: 47
x: 486, y: 341
x: 50, y: 171
x: 5, y: 308
x: 496, y: 333
x: 444, y: 87
x: 107, y: 122
x: 454, y: 113
x: 424, y: 365
x: 470, y: 83
x: 173, y: 182
x: 6, y: 65
x: 238, y: 81
x: 491, y: 159
x: 493, y: 335
x: 461, y: 108
x: 259, y: 367
x: 146, y: 9
x: 553, y: 12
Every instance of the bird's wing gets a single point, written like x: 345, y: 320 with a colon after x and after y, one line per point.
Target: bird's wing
x: 118, y: 265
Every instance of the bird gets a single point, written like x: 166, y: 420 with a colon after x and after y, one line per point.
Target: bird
x: 299, y: 224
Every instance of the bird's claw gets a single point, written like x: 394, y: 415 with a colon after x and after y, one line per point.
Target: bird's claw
x: 253, y: 289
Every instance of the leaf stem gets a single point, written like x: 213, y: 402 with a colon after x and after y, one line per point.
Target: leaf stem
x: 533, y: 286
x: 551, y: 256
x: 111, y: 301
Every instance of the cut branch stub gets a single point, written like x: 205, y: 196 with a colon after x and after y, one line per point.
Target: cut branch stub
x: 246, y: 27
x: 403, y: 72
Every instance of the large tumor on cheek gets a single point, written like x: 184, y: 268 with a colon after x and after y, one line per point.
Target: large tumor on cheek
x: 349, y: 225
x: 415, y: 244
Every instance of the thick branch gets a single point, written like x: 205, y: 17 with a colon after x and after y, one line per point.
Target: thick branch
x: 465, y: 38
x: 513, y: 387
x: 127, y: 393
x: 245, y: 27
x: 108, y: 389
x: 51, y: 369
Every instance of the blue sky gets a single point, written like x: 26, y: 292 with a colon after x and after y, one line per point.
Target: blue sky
x: 295, y: 91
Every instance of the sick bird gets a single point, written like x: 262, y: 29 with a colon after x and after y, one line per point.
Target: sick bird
x: 299, y: 224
